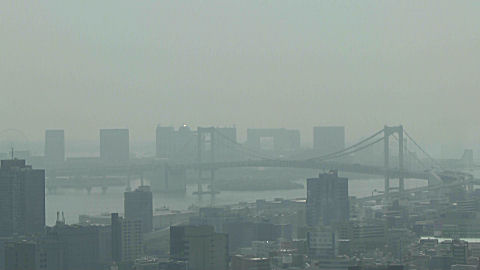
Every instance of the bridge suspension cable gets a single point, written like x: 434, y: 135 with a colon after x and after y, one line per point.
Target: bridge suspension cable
x: 346, y: 151
x: 423, y: 151
x: 349, y: 152
x: 409, y: 153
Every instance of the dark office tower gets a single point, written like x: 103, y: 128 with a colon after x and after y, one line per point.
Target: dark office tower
x: 114, y: 145
x: 54, y: 146
x: 22, y: 198
x: 116, y: 237
x: 165, y: 142
x: 327, y: 199
x: 138, y: 205
x: 200, y: 246
x: 327, y: 140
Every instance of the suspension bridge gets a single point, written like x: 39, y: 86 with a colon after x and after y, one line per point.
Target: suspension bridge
x: 209, y: 138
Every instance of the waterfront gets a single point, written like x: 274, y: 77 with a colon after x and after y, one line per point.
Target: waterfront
x: 76, y: 202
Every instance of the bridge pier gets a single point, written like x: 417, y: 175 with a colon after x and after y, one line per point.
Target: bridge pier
x: 387, y: 132
x: 206, y: 142
x: 401, y: 178
x: 386, y: 163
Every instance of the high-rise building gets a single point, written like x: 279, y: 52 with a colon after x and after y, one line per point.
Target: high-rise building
x: 327, y: 199
x: 200, y: 246
x: 165, y: 141
x: 328, y: 139
x: 116, y: 225
x: 54, y: 146
x: 33, y: 254
x: 127, y: 241
x: 114, y: 145
x: 138, y: 205
x: 22, y: 198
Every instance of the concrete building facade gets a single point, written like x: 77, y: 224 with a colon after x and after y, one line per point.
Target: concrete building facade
x: 327, y: 200
x: 138, y: 205
x: 200, y: 246
x: 22, y: 198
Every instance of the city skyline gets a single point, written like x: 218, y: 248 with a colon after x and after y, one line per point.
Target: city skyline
x: 240, y: 135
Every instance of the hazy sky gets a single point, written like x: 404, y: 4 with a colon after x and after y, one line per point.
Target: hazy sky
x: 85, y: 65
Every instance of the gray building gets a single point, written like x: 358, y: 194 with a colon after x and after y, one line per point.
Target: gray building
x: 34, y: 254
x: 22, y: 198
x: 327, y: 200
x: 126, y: 239
x: 138, y: 205
x: 114, y: 146
x: 54, y: 147
x: 328, y: 139
x: 85, y: 247
x: 22, y: 255
x: 200, y: 246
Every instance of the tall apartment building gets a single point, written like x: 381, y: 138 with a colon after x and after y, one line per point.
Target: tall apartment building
x: 54, y: 146
x: 328, y: 139
x: 114, y: 145
x: 127, y: 241
x: 22, y: 198
x: 200, y: 246
x: 138, y: 205
x: 327, y: 199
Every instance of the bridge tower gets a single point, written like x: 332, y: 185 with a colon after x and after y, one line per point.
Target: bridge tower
x: 389, y: 131
x: 205, y: 152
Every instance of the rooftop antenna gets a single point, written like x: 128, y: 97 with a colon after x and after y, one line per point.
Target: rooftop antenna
x: 12, y: 152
